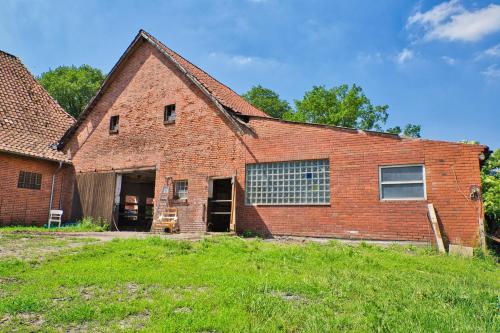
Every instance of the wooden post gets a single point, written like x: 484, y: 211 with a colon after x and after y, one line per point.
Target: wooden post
x: 232, y: 219
x: 435, y: 228
x: 482, y: 234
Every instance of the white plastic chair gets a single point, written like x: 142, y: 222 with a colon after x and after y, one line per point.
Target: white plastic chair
x: 55, y: 217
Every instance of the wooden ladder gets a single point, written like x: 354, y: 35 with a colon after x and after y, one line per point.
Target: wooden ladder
x: 165, y: 218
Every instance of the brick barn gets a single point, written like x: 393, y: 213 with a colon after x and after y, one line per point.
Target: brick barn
x: 161, y: 127
x: 160, y: 123
x: 33, y: 173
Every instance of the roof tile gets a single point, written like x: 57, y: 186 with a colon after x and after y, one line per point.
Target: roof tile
x: 31, y: 121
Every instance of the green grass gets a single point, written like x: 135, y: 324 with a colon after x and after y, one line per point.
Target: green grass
x: 225, y: 284
x: 76, y: 228
x: 87, y: 224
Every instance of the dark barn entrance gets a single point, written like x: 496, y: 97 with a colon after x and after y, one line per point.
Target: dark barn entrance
x: 135, y: 210
x: 220, y: 205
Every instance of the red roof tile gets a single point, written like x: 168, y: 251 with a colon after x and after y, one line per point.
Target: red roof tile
x: 31, y: 121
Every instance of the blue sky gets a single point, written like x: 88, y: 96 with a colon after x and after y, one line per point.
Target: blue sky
x: 434, y: 63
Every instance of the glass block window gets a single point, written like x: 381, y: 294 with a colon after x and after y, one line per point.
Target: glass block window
x: 288, y: 183
x: 402, y: 182
x: 30, y: 180
x: 180, y: 189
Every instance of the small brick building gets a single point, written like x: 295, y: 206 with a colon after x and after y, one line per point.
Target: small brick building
x: 162, y: 127
x: 32, y: 171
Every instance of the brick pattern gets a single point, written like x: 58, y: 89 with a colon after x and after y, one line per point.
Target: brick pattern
x: 30, y: 206
x: 201, y: 144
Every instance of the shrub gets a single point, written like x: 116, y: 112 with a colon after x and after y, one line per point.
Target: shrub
x: 90, y: 223
x: 248, y: 234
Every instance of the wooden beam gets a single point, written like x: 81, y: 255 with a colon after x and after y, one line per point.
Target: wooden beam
x: 435, y: 228
x: 482, y: 234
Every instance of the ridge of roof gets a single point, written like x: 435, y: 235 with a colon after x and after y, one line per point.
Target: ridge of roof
x: 9, y: 54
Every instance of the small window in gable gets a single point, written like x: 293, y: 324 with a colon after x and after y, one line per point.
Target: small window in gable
x: 169, y: 114
x: 114, y: 124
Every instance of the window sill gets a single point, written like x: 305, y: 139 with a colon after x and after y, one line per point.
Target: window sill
x: 180, y: 202
x: 403, y: 199
x: 168, y: 122
x: 290, y: 205
x: 113, y: 131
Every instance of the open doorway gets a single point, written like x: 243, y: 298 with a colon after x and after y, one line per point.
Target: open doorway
x: 135, y: 211
x: 220, y: 205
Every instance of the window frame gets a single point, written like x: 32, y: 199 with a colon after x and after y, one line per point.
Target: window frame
x: 117, y: 125
x: 165, y: 113
x: 175, y: 194
x: 26, y: 185
x: 423, y: 181
x: 292, y: 203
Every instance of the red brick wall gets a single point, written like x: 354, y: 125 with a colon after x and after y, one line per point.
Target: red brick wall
x: 30, y: 206
x: 201, y: 144
x: 356, y: 210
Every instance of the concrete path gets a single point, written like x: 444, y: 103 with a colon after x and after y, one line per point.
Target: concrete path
x: 109, y: 235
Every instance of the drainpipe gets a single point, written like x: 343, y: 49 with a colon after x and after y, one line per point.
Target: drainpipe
x: 53, y: 185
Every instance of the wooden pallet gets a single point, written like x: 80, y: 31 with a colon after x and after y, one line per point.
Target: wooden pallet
x: 167, y: 221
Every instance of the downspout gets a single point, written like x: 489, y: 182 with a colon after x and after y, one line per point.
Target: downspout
x: 53, y: 185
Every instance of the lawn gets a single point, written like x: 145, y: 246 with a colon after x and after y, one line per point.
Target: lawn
x: 228, y: 284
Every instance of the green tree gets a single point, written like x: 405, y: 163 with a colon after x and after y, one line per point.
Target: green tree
x: 72, y: 86
x: 341, y: 106
x: 490, y: 180
x: 409, y: 130
x: 268, y: 101
x: 344, y: 105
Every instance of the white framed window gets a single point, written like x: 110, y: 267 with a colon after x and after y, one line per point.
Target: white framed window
x: 180, y: 189
x: 402, y: 182
x: 288, y: 183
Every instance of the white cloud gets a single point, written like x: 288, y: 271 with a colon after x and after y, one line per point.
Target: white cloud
x: 449, y: 60
x: 437, y: 14
x: 491, y: 71
x: 404, y: 56
x: 369, y: 58
x: 451, y: 21
x: 493, y: 51
x: 243, y: 61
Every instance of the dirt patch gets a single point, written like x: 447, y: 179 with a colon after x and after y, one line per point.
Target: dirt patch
x: 184, y: 309
x: 31, y: 321
x: 29, y: 247
x: 135, y: 321
x: 289, y: 297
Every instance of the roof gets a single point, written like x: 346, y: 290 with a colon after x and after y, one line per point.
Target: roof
x: 229, y: 103
x: 31, y: 122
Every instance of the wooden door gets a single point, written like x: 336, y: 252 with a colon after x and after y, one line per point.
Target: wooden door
x: 94, y: 195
